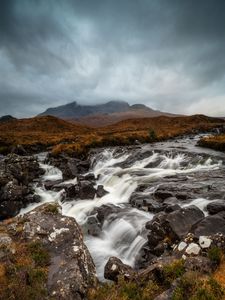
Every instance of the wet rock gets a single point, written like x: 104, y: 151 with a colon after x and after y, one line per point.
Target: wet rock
x: 86, y: 190
x: 163, y: 195
x: 179, y: 222
x: 100, y: 191
x: 70, y: 167
x: 115, y: 268
x: 16, y: 174
x: 209, y: 226
x: 52, y: 184
x: 71, y: 271
x: 93, y: 226
x: 216, y: 206
x: 171, y: 208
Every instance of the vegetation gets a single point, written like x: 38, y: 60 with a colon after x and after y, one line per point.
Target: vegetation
x: 192, y: 287
x: 216, y: 142
x: 23, y: 275
x: 215, y: 254
x: 48, y: 132
x: 126, y: 290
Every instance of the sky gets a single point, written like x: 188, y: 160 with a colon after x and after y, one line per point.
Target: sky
x: 167, y: 54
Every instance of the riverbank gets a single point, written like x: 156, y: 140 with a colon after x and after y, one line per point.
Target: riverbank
x: 216, y: 142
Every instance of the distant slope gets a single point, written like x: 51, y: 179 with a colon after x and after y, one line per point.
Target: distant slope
x: 103, y: 114
x: 74, y: 110
x: 6, y: 118
x: 39, y: 133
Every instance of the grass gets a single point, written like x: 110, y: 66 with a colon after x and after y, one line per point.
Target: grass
x: 216, y: 142
x: 23, y: 275
x: 40, y: 133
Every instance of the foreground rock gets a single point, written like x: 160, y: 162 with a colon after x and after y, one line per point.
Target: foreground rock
x: 16, y: 175
x: 71, y: 271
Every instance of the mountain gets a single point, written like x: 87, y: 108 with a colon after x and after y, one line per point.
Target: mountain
x: 6, y: 118
x: 103, y: 114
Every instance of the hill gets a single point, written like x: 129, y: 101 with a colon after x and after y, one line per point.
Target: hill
x: 102, y: 114
x: 6, y: 118
x: 48, y: 132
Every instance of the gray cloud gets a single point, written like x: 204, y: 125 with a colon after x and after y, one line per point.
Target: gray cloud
x: 166, y: 54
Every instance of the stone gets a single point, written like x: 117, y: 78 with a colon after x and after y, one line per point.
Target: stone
x: 209, y: 226
x: 205, y: 242
x: 179, y: 222
x: 115, y: 267
x: 193, y: 248
x: 216, y: 206
x: 71, y: 271
x: 181, y: 246
x: 200, y: 264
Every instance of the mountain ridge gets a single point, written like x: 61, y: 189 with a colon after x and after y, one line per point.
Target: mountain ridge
x: 104, y: 114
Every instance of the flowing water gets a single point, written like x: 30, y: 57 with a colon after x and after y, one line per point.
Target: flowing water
x: 133, y: 172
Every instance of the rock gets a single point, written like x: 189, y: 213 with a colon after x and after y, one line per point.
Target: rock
x: 181, y: 246
x: 204, y: 242
x: 71, y: 271
x: 115, y: 268
x: 16, y: 174
x: 70, y: 167
x: 209, y: 226
x: 19, y: 150
x: 179, y: 222
x: 6, y: 245
x: 215, y: 207
x: 200, y: 264
x: 86, y: 190
x: 93, y: 226
x: 168, y: 228
x: 100, y: 191
x: 193, y: 248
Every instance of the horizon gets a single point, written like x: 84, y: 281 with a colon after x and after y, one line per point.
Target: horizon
x: 168, y: 56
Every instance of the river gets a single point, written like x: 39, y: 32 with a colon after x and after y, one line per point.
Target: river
x: 172, y: 172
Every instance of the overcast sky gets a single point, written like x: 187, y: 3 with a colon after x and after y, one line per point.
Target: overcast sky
x: 167, y: 54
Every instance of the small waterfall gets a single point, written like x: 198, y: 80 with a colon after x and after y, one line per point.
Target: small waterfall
x: 123, y: 234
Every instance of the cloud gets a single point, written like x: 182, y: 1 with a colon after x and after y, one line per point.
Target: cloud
x: 166, y: 54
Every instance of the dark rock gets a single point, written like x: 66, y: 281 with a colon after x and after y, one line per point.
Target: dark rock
x: 16, y: 174
x: 86, y: 190
x: 70, y: 167
x: 50, y: 184
x: 93, y: 226
x: 100, y: 191
x: 162, y: 195
x: 179, y: 222
x: 216, y: 206
x: 19, y: 150
x: 115, y: 268
x: 171, y: 208
x: 209, y: 226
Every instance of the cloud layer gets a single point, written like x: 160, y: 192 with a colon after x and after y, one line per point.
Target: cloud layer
x: 166, y: 54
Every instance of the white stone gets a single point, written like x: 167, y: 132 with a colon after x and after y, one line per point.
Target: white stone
x: 204, y: 241
x: 193, y: 248
x: 114, y: 267
x: 76, y: 248
x: 182, y: 246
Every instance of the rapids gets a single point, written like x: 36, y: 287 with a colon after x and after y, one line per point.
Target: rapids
x: 131, y: 172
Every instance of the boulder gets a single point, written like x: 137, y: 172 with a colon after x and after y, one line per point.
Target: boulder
x: 210, y: 225
x: 115, y: 268
x: 71, y: 271
x: 70, y: 167
x: 16, y: 176
x: 100, y: 191
x: 216, y: 207
x: 180, y: 222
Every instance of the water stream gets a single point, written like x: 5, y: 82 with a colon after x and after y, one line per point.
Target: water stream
x: 142, y: 170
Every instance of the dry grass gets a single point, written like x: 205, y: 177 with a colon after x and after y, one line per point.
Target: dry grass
x: 76, y: 139
x: 216, y: 142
